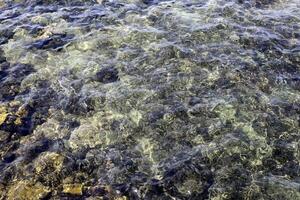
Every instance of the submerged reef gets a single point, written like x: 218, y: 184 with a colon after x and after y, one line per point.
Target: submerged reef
x: 150, y: 99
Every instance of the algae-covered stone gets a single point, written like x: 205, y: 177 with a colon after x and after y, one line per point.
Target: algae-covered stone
x: 74, y: 189
x: 3, y: 114
x: 6, y: 111
x: 22, y: 112
x: 18, y: 121
x: 49, y: 162
x: 85, y: 136
x: 157, y: 99
x: 27, y: 190
x: 121, y: 198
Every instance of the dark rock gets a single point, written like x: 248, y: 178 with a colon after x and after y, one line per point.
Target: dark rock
x: 20, y: 71
x: 115, y: 125
x: 194, y: 100
x: 4, y: 66
x: 107, y: 75
x: 156, y: 115
x: 9, y: 126
x: 10, y: 157
x: 179, y: 110
x: 291, y: 168
x: 14, y: 75
x: 5, y: 35
x: 262, y: 3
x: 122, y: 187
x: 79, y: 105
x: 37, y: 148
x: 155, y: 188
x: 150, y: 2
x: 7, y: 174
x: 9, y: 91
x: 270, y: 164
x: 96, y: 191
x: 294, y: 82
x: 23, y: 128
x: 2, y: 57
x: 282, y: 151
x: 55, y: 42
x: 48, y: 3
x: 188, y: 180
x: 275, y: 127
x: 204, y: 132
x: 3, y: 74
x: 71, y: 124
x: 138, y: 178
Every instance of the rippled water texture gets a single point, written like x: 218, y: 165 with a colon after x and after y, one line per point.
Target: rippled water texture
x: 115, y: 99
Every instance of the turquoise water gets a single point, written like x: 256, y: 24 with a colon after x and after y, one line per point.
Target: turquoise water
x: 137, y: 99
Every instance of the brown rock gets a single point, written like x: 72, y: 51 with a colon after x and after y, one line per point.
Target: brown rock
x: 74, y: 189
x: 26, y: 190
x: 49, y: 162
x: 3, y: 114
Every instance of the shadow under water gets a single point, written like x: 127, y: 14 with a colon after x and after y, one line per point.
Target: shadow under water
x: 150, y: 99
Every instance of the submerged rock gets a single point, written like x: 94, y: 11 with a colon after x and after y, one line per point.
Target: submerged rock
x: 12, y: 78
x: 149, y: 2
x: 73, y: 189
x: 55, y: 42
x: 107, y: 75
x: 3, y: 74
x: 280, y: 187
x: 49, y: 162
x: 9, y: 157
x: 2, y: 58
x: 16, y: 121
x: 25, y: 189
x: 5, y: 34
x: 86, y: 136
x: 3, y: 115
x: 192, y: 100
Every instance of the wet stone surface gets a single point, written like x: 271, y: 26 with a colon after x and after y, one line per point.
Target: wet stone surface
x: 149, y: 99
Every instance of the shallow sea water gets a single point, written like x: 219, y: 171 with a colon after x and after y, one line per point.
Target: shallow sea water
x: 150, y: 99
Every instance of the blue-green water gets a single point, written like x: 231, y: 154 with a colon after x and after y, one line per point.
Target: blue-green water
x: 136, y: 99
